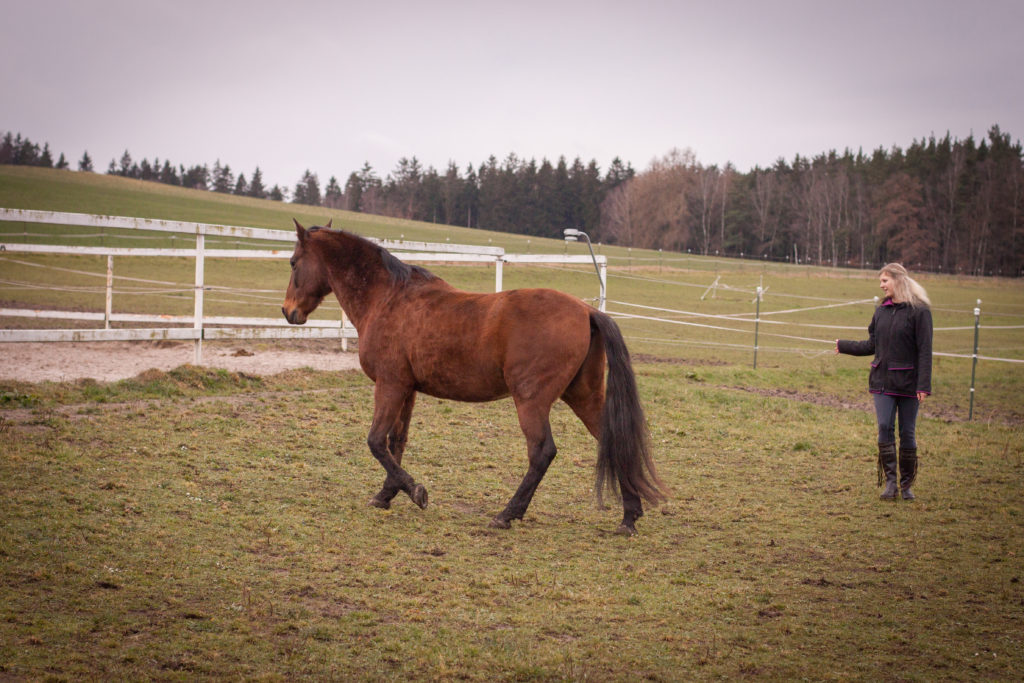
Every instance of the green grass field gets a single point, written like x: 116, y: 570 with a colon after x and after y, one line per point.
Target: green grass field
x: 204, y: 524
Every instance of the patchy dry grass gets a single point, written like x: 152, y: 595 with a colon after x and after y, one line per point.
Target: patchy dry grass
x: 199, y: 524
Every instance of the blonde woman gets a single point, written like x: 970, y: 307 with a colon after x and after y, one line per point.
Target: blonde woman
x: 900, y: 337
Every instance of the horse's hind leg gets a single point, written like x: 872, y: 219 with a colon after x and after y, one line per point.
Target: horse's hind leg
x: 586, y: 396
x: 397, y: 438
x: 533, y: 419
x: 585, y: 393
x: 390, y: 404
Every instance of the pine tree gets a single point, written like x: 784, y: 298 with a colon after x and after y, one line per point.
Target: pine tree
x: 7, y: 149
x: 256, y: 188
x: 307, y: 190
x: 618, y: 173
x: 354, y: 193
x: 85, y: 163
x: 126, y: 165
x: 299, y: 195
x: 46, y: 158
x: 371, y: 190
x: 470, y: 199
x: 197, y: 177
x: 223, y: 179
x: 451, y: 190
x: 26, y: 153
x: 168, y: 176
x: 241, y: 187
x: 333, y: 197
x: 62, y: 163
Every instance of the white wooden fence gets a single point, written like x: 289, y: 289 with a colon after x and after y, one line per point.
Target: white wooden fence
x: 216, y: 327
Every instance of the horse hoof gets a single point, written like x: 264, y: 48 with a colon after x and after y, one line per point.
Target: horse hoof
x: 381, y: 503
x: 419, y: 496
x: 498, y: 523
x: 626, y: 530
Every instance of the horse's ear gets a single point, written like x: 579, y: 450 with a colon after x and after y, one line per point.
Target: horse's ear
x: 300, y: 231
x: 329, y: 221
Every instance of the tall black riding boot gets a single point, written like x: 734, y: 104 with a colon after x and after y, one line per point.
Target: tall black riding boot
x: 887, y: 470
x: 908, y: 471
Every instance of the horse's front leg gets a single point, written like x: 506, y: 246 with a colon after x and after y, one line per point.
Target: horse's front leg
x: 389, y: 403
x: 397, y: 438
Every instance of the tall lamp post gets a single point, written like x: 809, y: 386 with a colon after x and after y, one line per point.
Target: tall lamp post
x: 574, y: 235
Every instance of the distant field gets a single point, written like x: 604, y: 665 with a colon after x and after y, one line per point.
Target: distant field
x: 205, y: 524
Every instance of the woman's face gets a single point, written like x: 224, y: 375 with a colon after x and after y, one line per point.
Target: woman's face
x: 887, y: 284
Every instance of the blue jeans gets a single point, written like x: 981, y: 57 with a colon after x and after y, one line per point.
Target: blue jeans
x: 886, y: 409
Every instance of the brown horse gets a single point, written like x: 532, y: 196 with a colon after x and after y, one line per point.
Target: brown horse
x: 417, y: 333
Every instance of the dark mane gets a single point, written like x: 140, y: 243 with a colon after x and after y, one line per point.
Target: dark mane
x: 399, y: 270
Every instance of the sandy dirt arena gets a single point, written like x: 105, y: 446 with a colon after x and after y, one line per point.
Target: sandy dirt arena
x: 111, y: 361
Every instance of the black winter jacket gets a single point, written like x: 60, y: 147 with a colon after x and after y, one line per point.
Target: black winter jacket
x: 901, y: 339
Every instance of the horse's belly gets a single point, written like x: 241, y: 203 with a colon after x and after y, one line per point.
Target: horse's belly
x: 454, y: 394
x: 465, y: 383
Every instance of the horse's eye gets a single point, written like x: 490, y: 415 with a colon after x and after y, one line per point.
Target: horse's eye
x: 291, y: 262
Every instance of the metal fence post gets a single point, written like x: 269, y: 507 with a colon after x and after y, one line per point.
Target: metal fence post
x: 974, y: 361
x: 603, y: 275
x: 757, y: 322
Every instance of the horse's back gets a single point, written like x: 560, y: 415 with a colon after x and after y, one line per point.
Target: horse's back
x: 542, y: 321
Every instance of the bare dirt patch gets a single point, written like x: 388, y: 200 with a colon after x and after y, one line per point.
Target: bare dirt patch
x: 112, y: 361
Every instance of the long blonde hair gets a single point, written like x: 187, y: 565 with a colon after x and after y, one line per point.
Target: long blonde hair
x: 905, y: 288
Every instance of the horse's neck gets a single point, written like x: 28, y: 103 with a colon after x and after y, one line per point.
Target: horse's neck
x: 358, y: 287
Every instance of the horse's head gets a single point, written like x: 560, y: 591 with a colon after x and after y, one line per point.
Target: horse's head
x: 308, y: 284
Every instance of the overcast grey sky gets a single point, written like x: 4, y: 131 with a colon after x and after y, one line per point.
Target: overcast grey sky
x: 327, y: 86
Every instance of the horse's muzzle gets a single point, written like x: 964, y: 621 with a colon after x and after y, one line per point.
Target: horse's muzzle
x: 294, y: 316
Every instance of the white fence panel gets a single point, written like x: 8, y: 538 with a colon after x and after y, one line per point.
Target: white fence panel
x: 198, y: 327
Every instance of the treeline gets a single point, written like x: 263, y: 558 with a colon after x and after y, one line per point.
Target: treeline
x: 515, y: 195
x: 14, y: 149
x: 219, y: 178
x: 24, y: 152
x: 942, y: 204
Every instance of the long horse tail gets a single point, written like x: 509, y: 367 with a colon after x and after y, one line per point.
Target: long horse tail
x: 623, y: 451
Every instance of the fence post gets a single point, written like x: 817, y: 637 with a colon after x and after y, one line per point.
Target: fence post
x: 757, y: 322
x: 110, y: 292
x: 714, y: 287
x: 197, y: 316
x: 499, y: 273
x: 974, y: 362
